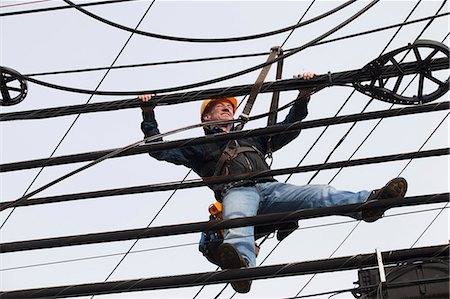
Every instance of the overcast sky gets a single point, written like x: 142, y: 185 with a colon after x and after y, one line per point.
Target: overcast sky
x: 67, y: 39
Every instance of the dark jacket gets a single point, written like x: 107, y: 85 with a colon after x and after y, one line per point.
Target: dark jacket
x: 203, y: 158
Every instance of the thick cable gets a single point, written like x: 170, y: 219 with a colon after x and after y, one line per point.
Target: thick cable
x: 86, y: 258
x: 208, y: 40
x: 210, y: 81
x: 196, y: 279
x: 321, y: 81
x: 15, y: 13
x: 233, y: 135
x: 195, y: 183
x: 196, y: 227
x: 247, y: 55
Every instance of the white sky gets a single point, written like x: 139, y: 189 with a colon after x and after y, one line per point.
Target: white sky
x: 67, y: 39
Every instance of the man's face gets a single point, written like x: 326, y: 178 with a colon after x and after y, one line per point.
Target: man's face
x: 219, y: 110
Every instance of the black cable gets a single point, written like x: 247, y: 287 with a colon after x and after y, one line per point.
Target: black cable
x: 211, y: 81
x: 208, y: 40
x: 318, y: 82
x: 196, y: 243
x: 233, y: 56
x: 15, y: 13
x: 196, y: 279
x: 194, y: 183
x: 233, y: 135
x: 196, y: 227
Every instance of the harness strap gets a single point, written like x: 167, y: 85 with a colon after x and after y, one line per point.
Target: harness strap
x: 272, y: 119
x: 256, y: 88
x: 229, y: 154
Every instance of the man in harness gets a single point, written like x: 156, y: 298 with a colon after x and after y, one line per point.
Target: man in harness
x: 251, y: 197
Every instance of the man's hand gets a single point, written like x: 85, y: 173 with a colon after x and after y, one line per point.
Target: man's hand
x: 146, y: 98
x: 306, y: 92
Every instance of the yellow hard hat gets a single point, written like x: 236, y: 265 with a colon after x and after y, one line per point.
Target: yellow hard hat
x: 206, y: 103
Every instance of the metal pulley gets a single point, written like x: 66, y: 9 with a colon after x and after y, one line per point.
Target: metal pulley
x: 13, y: 87
x: 423, y: 56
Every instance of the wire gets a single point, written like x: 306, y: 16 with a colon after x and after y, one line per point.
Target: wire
x: 232, y: 135
x: 211, y: 81
x: 219, y: 180
x: 196, y: 243
x: 209, y: 40
x: 196, y: 227
x: 14, y: 13
x: 318, y: 82
x: 232, y: 56
x: 196, y: 279
x: 23, y: 3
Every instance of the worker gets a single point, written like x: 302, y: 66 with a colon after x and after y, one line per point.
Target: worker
x: 263, y: 195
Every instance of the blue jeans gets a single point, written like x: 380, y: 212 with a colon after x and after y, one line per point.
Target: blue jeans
x: 273, y: 197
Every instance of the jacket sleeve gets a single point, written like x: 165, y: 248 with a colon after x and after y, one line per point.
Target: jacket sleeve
x: 297, y: 113
x: 188, y: 156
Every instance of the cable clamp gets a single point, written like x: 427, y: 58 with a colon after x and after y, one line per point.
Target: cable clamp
x: 330, y: 79
x: 380, y: 266
x: 244, y: 117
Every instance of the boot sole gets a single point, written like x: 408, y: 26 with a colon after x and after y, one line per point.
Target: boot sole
x: 395, y: 188
x: 229, y: 258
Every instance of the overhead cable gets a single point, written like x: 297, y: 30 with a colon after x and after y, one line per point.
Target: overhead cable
x: 233, y: 135
x: 207, y: 40
x: 195, y: 183
x: 196, y: 227
x: 192, y: 60
x: 211, y: 81
x: 92, y: 257
x: 339, y: 78
x: 15, y: 13
x: 197, y: 279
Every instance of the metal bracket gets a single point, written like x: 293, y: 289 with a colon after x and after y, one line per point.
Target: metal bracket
x: 424, y: 54
x: 13, y: 88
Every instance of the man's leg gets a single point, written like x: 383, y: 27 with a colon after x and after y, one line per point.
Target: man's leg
x: 281, y: 197
x: 241, y: 202
x: 238, y: 248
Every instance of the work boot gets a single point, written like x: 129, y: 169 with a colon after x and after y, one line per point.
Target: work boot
x: 230, y: 258
x: 395, y: 188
